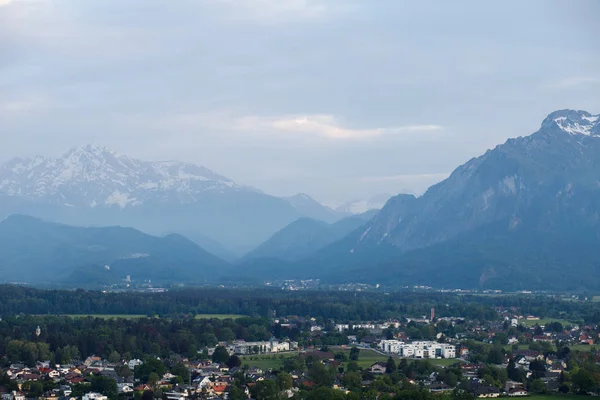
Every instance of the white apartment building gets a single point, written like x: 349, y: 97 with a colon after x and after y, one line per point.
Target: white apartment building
x: 272, y: 346
x: 418, y: 349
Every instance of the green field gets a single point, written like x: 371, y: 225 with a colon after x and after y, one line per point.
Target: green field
x: 545, y: 321
x: 556, y: 397
x: 266, y: 362
x: 577, y: 347
x: 107, y: 316
x: 219, y: 316
x: 444, y: 362
x: 583, y: 347
x: 132, y: 316
x: 366, y: 358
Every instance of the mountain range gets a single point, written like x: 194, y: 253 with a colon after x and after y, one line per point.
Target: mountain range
x: 304, y: 237
x: 524, y: 215
x: 95, y: 186
x: 36, y: 251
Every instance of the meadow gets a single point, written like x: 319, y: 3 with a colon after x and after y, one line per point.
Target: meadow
x: 134, y: 316
x: 545, y: 321
x: 367, y: 357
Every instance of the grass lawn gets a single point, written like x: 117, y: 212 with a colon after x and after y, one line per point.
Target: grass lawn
x: 131, y: 316
x: 444, y: 362
x: 219, y: 316
x: 557, y: 397
x: 107, y: 316
x: 583, y: 347
x: 576, y: 347
x: 366, y: 358
x: 545, y: 321
x: 266, y: 362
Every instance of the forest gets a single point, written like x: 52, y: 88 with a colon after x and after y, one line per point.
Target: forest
x: 268, y: 302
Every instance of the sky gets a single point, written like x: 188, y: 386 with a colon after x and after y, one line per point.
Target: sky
x: 339, y: 99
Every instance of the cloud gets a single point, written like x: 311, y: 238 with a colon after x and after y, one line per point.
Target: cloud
x: 574, y: 81
x: 16, y: 106
x: 23, y: 105
x: 5, y: 2
x: 325, y: 126
x: 405, y: 178
x: 274, y: 10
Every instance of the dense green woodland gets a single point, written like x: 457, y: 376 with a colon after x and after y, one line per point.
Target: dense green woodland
x: 63, y: 339
x: 338, y: 305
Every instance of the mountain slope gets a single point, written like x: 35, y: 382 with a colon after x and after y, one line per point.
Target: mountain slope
x: 311, y: 208
x: 35, y: 251
x: 302, y: 238
x: 209, y: 244
x: 523, y: 215
x: 96, y: 186
x: 535, y: 181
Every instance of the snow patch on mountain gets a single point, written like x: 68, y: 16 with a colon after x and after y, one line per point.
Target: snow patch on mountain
x: 575, y: 122
x: 91, y: 176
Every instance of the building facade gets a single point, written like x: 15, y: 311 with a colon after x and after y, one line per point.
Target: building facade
x: 418, y: 349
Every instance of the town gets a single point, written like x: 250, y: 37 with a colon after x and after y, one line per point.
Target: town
x: 507, y: 353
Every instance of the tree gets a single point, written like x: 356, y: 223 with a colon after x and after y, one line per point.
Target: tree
x: 150, y: 365
x: 153, y: 378
x: 234, y: 361
x: 354, y: 353
x: 114, y: 357
x: 514, y: 373
x: 390, y: 366
x: 181, y: 371
x: 537, y: 386
x: 148, y: 395
x: 325, y: 393
x: 583, y: 381
x: 450, y: 378
x: 265, y: 390
x: 35, y: 389
x: 124, y: 371
x: 284, y: 381
x: 105, y: 385
x: 236, y: 393
x: 221, y: 355
x: 352, y: 366
x: 320, y: 374
x: 352, y: 381
x: 495, y: 356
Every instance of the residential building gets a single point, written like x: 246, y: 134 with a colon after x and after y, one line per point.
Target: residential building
x: 419, y: 349
x: 94, y: 396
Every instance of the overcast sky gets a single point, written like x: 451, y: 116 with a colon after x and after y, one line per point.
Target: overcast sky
x: 340, y: 99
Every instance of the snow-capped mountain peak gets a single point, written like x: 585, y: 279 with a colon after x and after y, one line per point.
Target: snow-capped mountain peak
x: 93, y: 176
x: 574, y: 122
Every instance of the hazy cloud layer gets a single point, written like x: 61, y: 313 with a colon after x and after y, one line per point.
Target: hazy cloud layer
x: 339, y: 99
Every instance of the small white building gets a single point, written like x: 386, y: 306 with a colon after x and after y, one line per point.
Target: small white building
x: 94, y: 396
x: 134, y: 363
x: 271, y: 346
